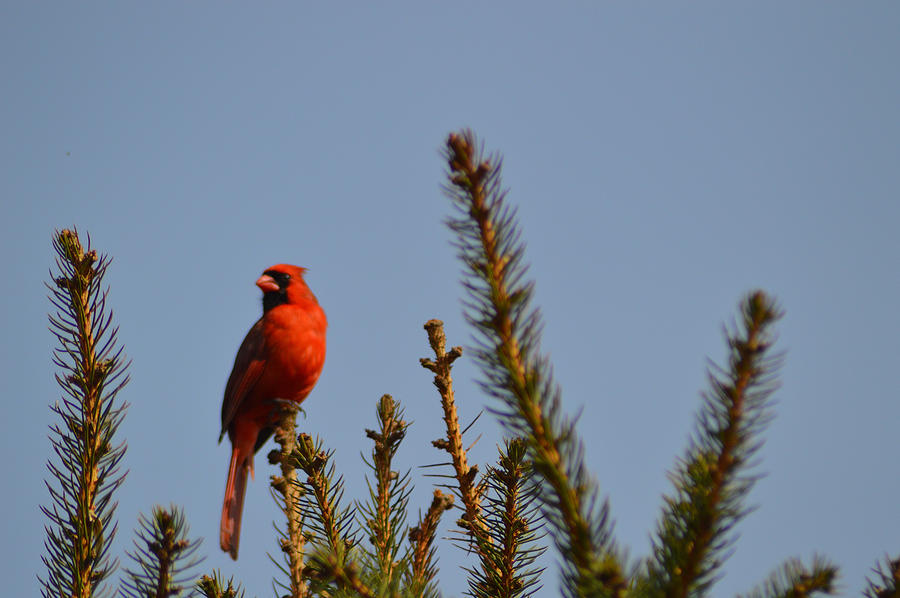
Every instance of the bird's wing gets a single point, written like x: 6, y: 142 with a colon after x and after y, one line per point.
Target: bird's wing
x: 248, y: 368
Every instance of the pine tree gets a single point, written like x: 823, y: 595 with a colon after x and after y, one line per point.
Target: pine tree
x: 539, y: 489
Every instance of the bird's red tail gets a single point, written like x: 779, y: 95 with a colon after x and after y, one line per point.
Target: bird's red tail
x: 230, y: 528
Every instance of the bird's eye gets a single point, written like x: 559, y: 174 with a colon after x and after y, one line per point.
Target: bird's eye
x: 281, y: 278
x: 277, y: 275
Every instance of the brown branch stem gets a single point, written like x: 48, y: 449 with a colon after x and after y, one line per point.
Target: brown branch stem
x: 391, y: 431
x: 465, y: 474
x: 89, y: 380
x: 287, y: 486
x: 422, y: 538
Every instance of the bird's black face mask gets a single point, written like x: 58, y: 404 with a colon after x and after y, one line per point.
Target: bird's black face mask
x: 273, y: 299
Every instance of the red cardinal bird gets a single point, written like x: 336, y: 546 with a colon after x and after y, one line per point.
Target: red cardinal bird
x: 280, y: 359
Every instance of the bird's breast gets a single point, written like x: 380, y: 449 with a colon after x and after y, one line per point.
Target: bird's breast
x: 295, y: 347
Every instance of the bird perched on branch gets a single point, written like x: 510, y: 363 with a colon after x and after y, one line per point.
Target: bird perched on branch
x: 280, y: 360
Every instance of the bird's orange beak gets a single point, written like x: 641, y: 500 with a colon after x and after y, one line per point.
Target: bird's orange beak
x: 267, y: 283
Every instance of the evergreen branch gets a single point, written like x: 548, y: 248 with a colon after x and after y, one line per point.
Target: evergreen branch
x: 86, y: 473
x: 711, y: 482
x: 794, y: 580
x: 163, y: 555
x: 327, y: 524
x: 465, y: 474
x: 217, y: 587
x: 320, y: 498
x: 508, y: 336
x: 888, y: 584
x: 287, y: 492
x: 511, y: 517
x: 345, y: 576
x: 420, y: 578
x: 385, y: 515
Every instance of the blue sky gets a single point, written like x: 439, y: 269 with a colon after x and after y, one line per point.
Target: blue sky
x: 665, y: 158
